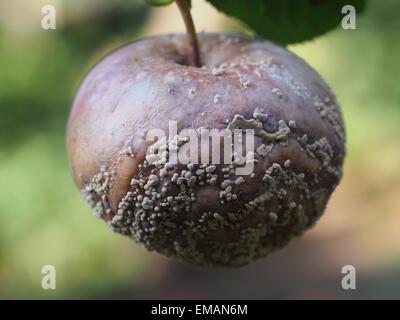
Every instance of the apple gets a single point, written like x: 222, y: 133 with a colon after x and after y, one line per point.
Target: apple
x: 205, y: 214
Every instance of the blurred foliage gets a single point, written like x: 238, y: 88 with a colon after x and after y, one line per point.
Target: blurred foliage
x: 43, y: 220
x: 39, y: 70
x: 286, y: 21
x: 158, y: 3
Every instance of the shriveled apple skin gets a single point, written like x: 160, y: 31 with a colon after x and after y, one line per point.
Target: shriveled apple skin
x: 206, y: 220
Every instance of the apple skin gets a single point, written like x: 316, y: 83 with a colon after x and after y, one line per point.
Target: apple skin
x: 144, y: 84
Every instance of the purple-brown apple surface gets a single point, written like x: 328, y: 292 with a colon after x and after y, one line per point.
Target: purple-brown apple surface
x: 205, y: 214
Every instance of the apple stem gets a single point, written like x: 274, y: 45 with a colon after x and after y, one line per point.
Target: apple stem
x: 194, y: 52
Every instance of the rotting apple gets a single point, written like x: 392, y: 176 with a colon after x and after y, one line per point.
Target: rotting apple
x: 140, y: 86
x: 205, y: 214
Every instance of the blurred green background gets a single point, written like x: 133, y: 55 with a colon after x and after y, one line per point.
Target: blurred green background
x: 43, y: 219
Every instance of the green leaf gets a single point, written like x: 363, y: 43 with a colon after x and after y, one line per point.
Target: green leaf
x: 288, y: 21
x: 159, y: 3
